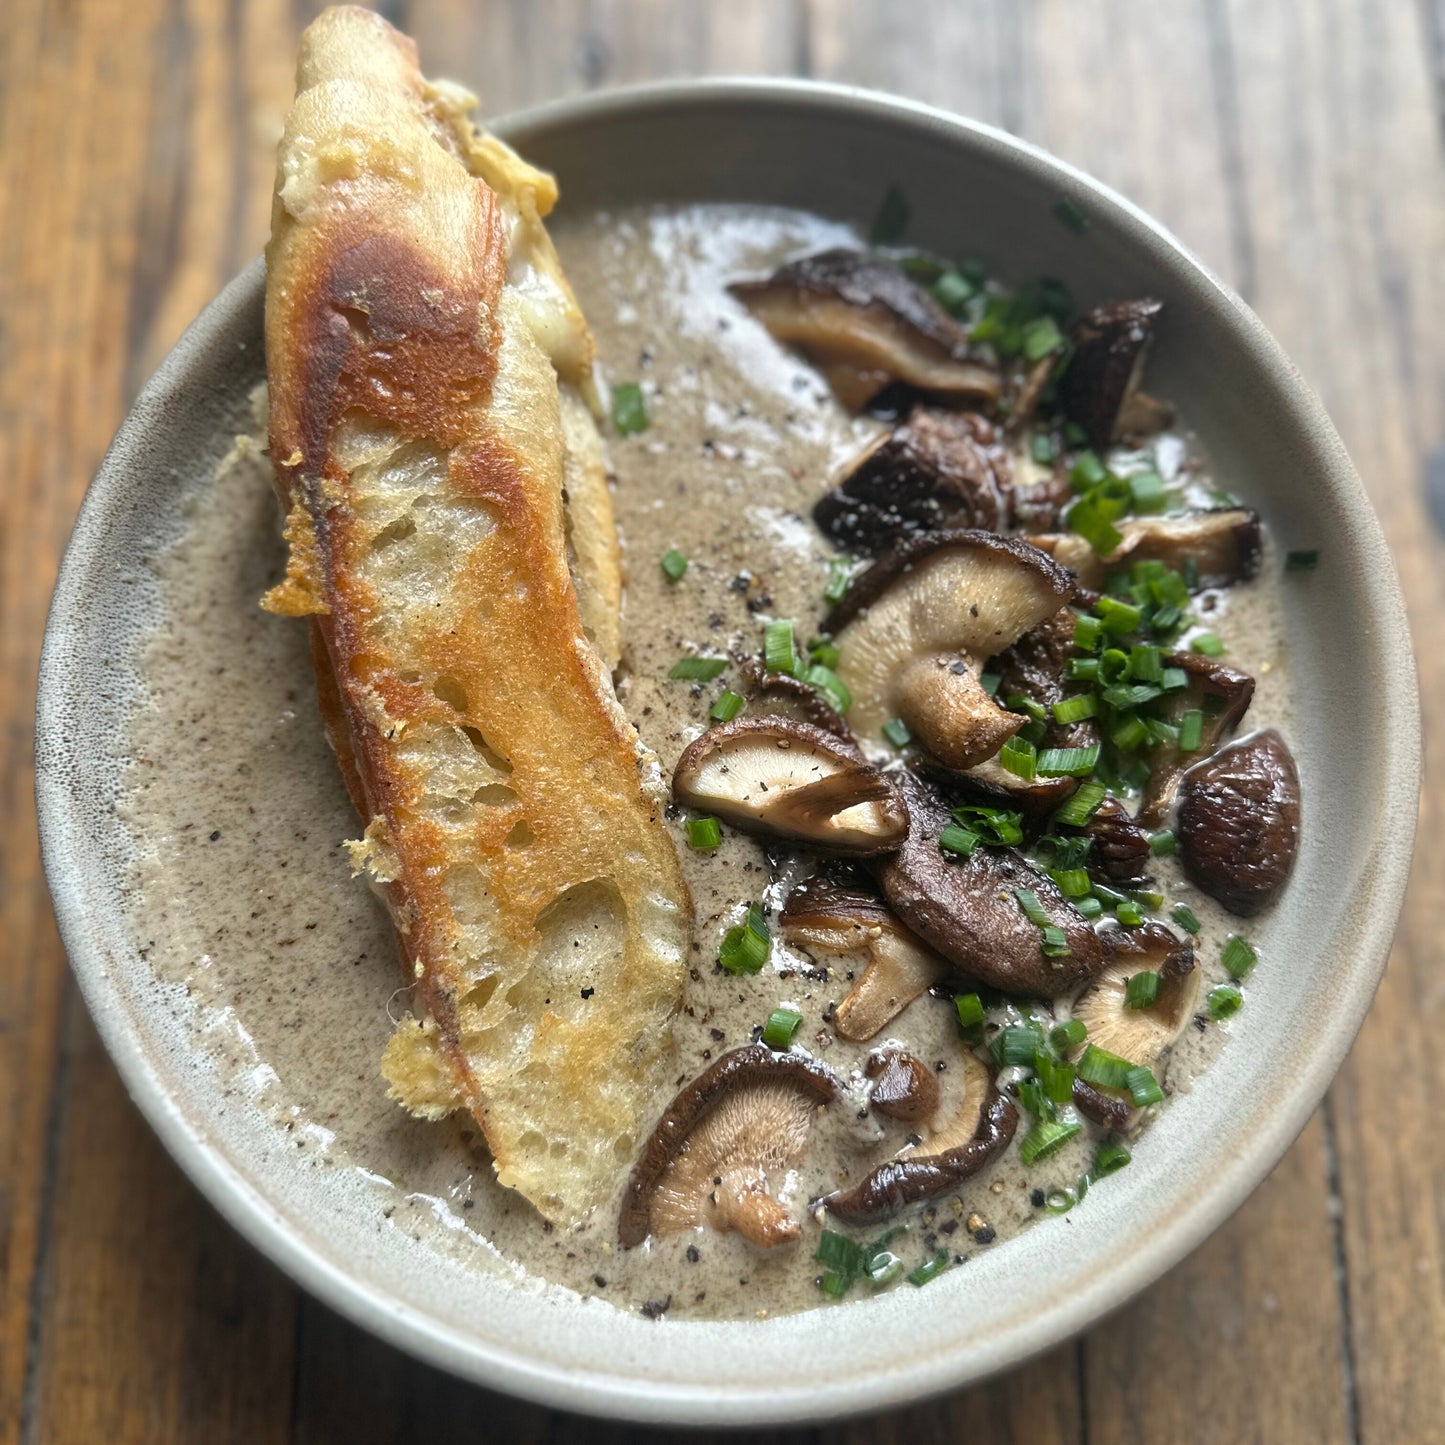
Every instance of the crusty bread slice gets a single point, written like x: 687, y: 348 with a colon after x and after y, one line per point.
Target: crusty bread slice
x: 429, y: 370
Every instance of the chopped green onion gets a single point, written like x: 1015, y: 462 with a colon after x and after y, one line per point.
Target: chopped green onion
x: 1067, y: 762
x: 1017, y: 702
x: 1129, y: 734
x: 822, y: 651
x: 1016, y: 1044
x: 1068, y: 1035
x: 1088, y: 518
x: 1191, y: 731
x: 896, y: 731
x: 1116, y: 616
x: 1110, y: 1159
x: 1029, y: 902
x: 1072, y: 882
x: 1148, y: 491
x: 970, y: 1010
x: 1082, y: 669
x: 929, y: 1269
x: 746, y: 946
x: 674, y: 564
x: 834, y: 1283
x: 1068, y: 214
x: 1144, y: 663
x: 1114, y: 665
x: 989, y: 681
x: 1056, y: 1076
x: 1075, y: 709
x: 1183, y: 915
x: 1145, y: 899
x: 1238, y: 956
x: 1078, y: 809
x: 1054, y: 942
x: 998, y: 827
x: 697, y: 669
x: 1224, y: 1001
x: 1031, y: 1095
x: 1045, y: 1138
x: 782, y: 1024
x: 1130, y: 694
x: 883, y: 1267
x: 1162, y: 843
x: 1087, y: 632
x: 892, y: 218
x: 727, y: 707
x: 1091, y: 908
x: 1104, y: 1070
x: 1207, y: 644
x: 1109, y: 895
x: 1141, y: 990
x: 960, y: 841
x: 704, y: 834
x: 1074, y: 434
x: 1041, y: 336
x: 1171, y: 679
x: 1128, y: 913
x: 953, y: 291
x: 831, y: 686
x: 629, y: 409
x: 1019, y: 756
x: 1143, y: 1087
x: 1301, y: 561
x: 1059, y: 1200
x: 1042, y: 448
x: 837, y: 1252
x: 778, y: 653
x: 840, y: 570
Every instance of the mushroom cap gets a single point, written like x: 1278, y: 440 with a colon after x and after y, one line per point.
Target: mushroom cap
x: 914, y: 628
x: 1238, y: 822
x: 788, y: 779
x: 1110, y: 345
x: 1223, y: 543
x: 1120, y: 852
x: 972, y: 1136
x: 776, y: 694
x: 967, y: 908
x: 1141, y: 1035
x: 904, y: 1087
x: 847, y: 927
x: 866, y: 325
x: 707, y: 1164
x: 936, y: 470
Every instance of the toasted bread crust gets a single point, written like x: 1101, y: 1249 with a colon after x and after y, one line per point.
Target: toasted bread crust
x: 417, y: 330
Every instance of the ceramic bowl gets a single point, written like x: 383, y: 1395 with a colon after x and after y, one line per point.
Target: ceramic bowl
x: 833, y: 151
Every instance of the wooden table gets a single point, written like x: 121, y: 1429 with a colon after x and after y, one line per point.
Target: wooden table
x: 1294, y: 144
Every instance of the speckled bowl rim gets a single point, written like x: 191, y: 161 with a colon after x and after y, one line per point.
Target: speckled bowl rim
x: 719, y: 1391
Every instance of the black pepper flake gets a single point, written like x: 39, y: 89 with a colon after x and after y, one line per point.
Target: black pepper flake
x: 948, y: 1226
x: 599, y: 1281
x: 1036, y: 1198
x: 654, y: 1309
x: 692, y: 1254
x: 717, y: 1034
x: 215, y: 837
x: 588, y: 992
x: 986, y: 1235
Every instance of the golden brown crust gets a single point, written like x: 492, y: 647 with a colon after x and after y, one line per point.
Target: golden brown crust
x: 415, y: 335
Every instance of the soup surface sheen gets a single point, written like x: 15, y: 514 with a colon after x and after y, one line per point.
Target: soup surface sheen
x: 243, y: 893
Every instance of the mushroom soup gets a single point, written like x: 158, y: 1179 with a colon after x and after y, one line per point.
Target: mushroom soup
x: 943, y: 631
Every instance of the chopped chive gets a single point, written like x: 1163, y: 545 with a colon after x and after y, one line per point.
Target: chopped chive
x: 1088, y: 632
x: 892, y: 218
x: 1017, y: 702
x: 883, y: 1267
x: 1145, y: 899
x: 1109, y: 895
x: 953, y: 291
x: 1088, y: 518
x: 746, y: 946
x: 1067, y: 762
x: 629, y: 409
x: 998, y: 827
x: 1040, y: 337
x: 1090, y: 907
x: 989, y: 681
x: 1118, y: 617
x: 1054, y: 942
x: 1128, y: 913
x: 836, y: 1251
x: 1171, y: 679
x: 1162, y: 843
x: 1072, y: 882
x: 1143, y: 1087
x: 1105, y: 1070
x: 1144, y: 664
x: 1183, y: 915
x: 674, y: 564
x: 697, y: 669
x: 833, y: 1282
x: 830, y: 685
x: 1129, y: 734
x: 1077, y: 810
x: 1301, y: 561
x: 1068, y: 214
x: 1074, y: 434
x: 778, y: 654
x: 1142, y: 989
x: 1056, y: 1076
x: 896, y: 731
x: 1082, y: 669
x: 1110, y: 1159
x: 1114, y: 666
x: 782, y: 1024
x: 1238, y: 956
x: 1068, y: 1035
x: 957, y: 840
x: 970, y: 1010
x: 1130, y: 694
x: 1045, y: 1138
x: 1191, y: 731
x: 1207, y: 644
x: 1148, y: 492
x: 1019, y: 756
x: 822, y: 651
x: 1029, y: 902
x: 1017, y: 1044
x: 1225, y: 1000
x: 929, y: 1269
x: 1075, y: 709
x: 727, y: 707
x: 704, y: 834
x: 840, y: 571
x: 1042, y: 449
x: 1030, y: 1093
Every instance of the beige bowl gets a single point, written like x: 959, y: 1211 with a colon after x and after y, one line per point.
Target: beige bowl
x: 833, y: 151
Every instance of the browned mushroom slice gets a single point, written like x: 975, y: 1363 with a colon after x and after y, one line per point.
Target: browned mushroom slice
x: 776, y: 694
x: 991, y: 784
x: 866, y: 325
x: 1024, y: 403
x: 1140, y: 1035
x: 1223, y: 696
x: 1120, y: 851
x: 1110, y: 1109
x: 968, y: 908
x: 788, y: 779
x: 1223, y: 545
x: 846, y: 928
x: 1110, y: 346
x: 914, y: 629
x: 1239, y: 822
x: 1034, y: 668
x: 724, y: 1142
x: 904, y: 1087
x: 936, y: 470
x: 975, y: 1132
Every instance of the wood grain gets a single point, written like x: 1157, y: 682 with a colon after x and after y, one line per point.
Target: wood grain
x: 1297, y: 147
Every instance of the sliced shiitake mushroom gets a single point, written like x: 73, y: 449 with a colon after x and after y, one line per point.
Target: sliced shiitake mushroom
x: 724, y: 1142
x: 1120, y: 852
x: 968, y: 908
x: 936, y: 470
x: 1223, y: 544
x: 849, y: 929
x: 776, y: 694
x: 1239, y: 822
x: 904, y: 1087
x: 975, y: 1132
x: 1110, y: 346
x: 913, y: 630
x: 866, y: 325
x: 1222, y: 695
x: 789, y: 779
x: 1034, y: 668
x: 991, y: 785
